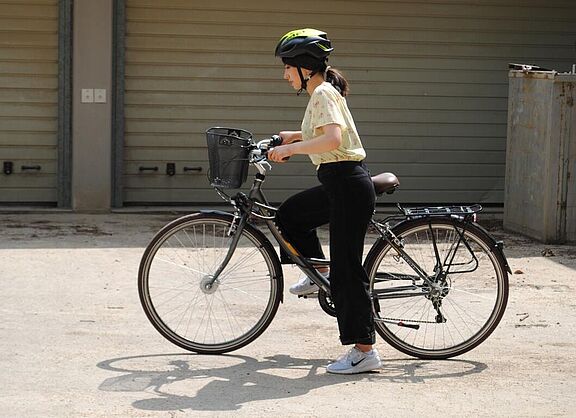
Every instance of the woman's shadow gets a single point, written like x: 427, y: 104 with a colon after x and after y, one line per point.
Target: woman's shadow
x: 233, y: 380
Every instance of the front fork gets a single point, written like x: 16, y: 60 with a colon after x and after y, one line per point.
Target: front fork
x: 236, y: 228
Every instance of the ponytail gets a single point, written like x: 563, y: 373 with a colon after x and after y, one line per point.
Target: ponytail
x: 335, y: 77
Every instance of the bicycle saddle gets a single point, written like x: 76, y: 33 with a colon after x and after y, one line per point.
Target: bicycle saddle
x: 385, y: 183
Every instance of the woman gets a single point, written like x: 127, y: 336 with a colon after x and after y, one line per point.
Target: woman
x: 345, y: 198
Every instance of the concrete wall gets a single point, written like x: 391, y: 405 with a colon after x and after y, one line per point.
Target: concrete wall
x: 91, y: 122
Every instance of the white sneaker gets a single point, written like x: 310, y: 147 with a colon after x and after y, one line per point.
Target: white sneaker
x: 356, y: 361
x: 305, y: 286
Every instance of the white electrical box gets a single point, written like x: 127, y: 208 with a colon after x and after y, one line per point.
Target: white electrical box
x: 87, y: 95
x: 99, y: 95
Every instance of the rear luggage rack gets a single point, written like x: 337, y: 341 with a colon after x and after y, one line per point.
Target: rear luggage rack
x: 441, y: 211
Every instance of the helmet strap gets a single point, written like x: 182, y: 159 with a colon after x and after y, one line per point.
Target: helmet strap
x: 303, y: 81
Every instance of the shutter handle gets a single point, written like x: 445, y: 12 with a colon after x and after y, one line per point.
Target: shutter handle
x: 186, y: 169
x: 31, y: 167
x: 141, y: 169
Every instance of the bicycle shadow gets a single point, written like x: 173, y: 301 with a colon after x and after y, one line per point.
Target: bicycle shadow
x: 237, y: 380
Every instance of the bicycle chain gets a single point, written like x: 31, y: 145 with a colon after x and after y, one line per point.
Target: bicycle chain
x: 409, y: 320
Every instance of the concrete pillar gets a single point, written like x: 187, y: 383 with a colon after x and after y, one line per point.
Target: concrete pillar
x: 92, y: 121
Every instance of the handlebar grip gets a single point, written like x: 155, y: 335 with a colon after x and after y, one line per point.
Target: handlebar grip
x: 276, y: 140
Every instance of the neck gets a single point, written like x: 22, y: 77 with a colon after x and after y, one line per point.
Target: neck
x: 314, y: 82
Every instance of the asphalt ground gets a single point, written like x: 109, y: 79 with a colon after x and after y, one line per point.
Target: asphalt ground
x: 75, y: 342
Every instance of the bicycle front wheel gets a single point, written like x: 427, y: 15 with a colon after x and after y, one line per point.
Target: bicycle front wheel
x: 463, y: 305
x: 235, y: 310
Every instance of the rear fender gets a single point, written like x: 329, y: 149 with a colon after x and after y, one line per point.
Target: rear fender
x: 497, y: 247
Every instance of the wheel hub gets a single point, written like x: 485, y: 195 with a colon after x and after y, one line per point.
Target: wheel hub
x: 208, y: 285
x: 437, y: 291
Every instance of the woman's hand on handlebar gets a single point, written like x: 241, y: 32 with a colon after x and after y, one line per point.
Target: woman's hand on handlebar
x: 281, y: 153
x: 281, y: 147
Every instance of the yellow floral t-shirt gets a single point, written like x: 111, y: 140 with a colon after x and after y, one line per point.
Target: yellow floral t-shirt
x: 327, y: 106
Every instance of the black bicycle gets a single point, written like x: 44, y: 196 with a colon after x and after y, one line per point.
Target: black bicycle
x: 211, y: 282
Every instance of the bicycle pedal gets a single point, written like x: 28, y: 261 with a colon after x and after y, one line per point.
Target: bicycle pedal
x: 309, y: 296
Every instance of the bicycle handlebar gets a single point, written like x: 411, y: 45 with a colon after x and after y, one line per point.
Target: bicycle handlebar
x: 260, y: 149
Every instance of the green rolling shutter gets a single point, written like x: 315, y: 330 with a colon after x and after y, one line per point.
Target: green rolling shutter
x: 29, y: 101
x: 429, y: 87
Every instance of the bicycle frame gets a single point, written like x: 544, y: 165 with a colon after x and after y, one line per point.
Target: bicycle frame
x: 255, y: 204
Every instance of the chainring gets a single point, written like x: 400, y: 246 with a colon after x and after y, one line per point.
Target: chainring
x: 326, y: 303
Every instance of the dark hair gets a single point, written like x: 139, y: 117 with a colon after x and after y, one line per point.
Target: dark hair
x: 335, y: 77
x: 331, y: 75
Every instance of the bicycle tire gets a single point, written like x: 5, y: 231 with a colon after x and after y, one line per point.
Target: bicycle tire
x: 236, y: 310
x: 473, y: 299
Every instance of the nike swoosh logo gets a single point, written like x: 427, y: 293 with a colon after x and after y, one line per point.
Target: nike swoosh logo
x: 358, y: 362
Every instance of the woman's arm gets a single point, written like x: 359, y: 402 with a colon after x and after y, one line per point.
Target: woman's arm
x: 330, y: 139
x: 290, y: 136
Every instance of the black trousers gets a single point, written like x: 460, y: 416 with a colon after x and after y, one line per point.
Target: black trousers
x: 345, y: 199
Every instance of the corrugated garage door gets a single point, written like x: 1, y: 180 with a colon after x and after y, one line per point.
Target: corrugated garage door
x: 29, y: 101
x: 429, y: 87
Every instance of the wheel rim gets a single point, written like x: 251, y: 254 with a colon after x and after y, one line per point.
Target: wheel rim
x: 471, y: 301
x: 194, y: 315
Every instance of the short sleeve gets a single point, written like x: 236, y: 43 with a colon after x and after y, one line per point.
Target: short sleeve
x: 326, y: 110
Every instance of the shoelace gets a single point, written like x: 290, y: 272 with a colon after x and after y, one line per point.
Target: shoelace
x: 349, y: 355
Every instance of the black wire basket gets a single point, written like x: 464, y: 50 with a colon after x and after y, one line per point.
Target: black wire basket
x: 228, y: 150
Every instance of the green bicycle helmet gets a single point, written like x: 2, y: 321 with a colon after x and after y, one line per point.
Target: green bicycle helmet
x: 305, y: 48
x: 304, y: 42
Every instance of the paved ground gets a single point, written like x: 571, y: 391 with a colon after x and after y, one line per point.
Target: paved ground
x: 75, y: 342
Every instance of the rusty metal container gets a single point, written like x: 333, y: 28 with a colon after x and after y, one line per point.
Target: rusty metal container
x: 540, y: 187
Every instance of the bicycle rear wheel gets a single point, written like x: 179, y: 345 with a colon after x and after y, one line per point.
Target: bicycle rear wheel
x: 240, y: 305
x: 471, y: 298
